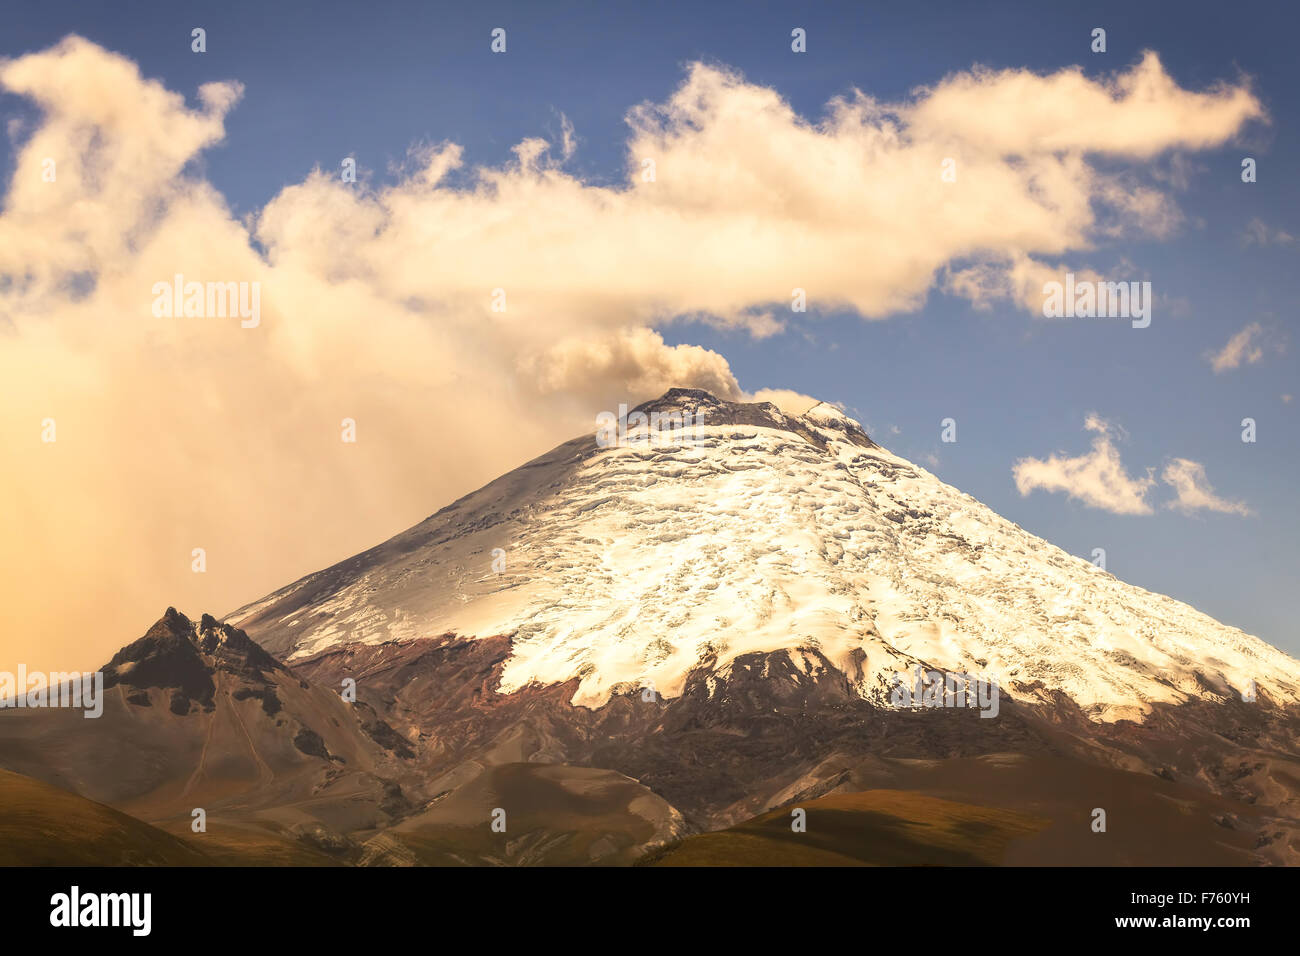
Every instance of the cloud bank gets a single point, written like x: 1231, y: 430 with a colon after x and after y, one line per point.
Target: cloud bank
x: 382, y: 303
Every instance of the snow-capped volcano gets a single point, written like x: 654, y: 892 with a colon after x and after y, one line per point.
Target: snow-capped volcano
x: 632, y: 562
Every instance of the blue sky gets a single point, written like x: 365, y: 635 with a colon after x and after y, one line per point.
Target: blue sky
x: 327, y: 80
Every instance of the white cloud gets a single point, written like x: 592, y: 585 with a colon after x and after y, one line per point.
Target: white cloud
x: 1017, y: 278
x: 1194, y: 490
x: 1098, y: 479
x: 1244, y: 348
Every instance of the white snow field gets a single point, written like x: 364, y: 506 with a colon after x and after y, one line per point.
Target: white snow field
x: 630, y: 566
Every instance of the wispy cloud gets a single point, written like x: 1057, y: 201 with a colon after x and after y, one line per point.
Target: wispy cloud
x: 1194, y: 490
x: 1244, y: 348
x: 1259, y: 233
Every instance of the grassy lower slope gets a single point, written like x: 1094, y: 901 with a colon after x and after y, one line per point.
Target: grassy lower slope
x: 41, y: 825
x: 871, y: 828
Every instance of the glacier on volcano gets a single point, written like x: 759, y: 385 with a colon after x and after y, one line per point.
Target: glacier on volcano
x: 635, y: 564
